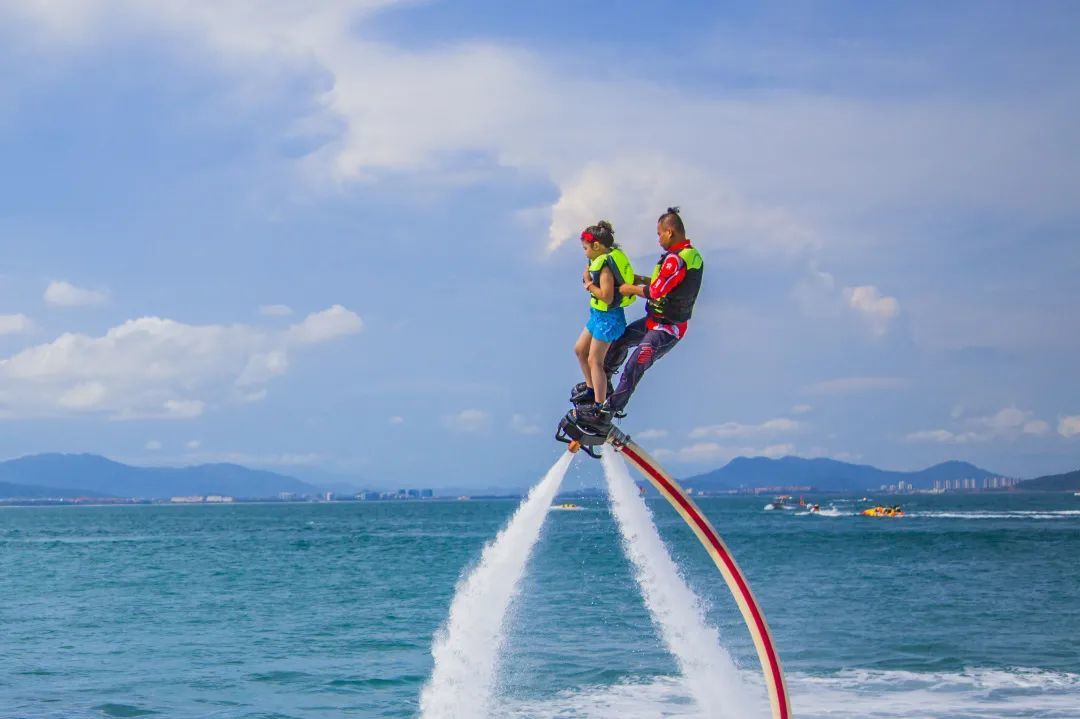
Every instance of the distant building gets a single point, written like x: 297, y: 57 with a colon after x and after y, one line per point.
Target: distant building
x: 218, y: 499
x: 187, y: 500
x: 328, y: 496
x: 427, y: 493
x: 286, y: 496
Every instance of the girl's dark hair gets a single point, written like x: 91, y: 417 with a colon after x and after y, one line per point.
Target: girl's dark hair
x: 603, y: 233
x: 671, y: 219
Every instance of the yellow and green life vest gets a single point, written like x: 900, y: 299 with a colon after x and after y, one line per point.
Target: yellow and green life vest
x: 619, y: 264
x: 678, y: 305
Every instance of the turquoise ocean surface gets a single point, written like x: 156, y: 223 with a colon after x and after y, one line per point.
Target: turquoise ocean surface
x: 967, y: 607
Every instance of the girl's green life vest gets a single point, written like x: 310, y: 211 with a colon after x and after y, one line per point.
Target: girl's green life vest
x: 619, y: 264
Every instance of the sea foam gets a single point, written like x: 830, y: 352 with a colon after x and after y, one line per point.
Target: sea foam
x: 466, y: 648
x: 708, y: 670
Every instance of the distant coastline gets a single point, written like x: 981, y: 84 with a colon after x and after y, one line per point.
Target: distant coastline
x: 84, y: 479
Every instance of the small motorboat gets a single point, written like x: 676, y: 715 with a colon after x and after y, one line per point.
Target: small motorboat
x: 782, y: 501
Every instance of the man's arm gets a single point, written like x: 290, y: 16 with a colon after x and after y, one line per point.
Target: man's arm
x: 672, y: 272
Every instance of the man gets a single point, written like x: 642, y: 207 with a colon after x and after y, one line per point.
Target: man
x: 669, y: 295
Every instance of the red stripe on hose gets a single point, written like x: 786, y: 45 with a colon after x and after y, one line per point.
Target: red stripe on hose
x: 774, y: 666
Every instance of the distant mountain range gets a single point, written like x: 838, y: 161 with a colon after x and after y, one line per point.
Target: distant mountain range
x: 89, y: 475
x: 825, y: 474
x: 1068, y: 482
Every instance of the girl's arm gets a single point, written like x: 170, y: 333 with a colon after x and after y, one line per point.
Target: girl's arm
x: 605, y: 291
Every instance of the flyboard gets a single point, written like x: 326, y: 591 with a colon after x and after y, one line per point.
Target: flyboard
x: 571, y: 433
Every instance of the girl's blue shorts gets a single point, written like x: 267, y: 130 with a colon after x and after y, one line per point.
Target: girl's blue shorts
x: 606, y: 326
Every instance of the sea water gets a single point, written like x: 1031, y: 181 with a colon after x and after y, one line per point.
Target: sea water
x: 969, y: 607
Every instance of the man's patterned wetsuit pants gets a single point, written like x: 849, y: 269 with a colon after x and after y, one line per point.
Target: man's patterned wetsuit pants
x: 645, y: 347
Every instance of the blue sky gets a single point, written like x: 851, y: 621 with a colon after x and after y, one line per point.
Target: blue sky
x: 340, y: 236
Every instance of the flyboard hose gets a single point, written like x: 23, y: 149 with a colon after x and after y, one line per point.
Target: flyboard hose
x: 721, y: 556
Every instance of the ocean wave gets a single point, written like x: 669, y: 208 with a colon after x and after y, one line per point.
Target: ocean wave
x: 1008, y: 514
x: 855, y: 694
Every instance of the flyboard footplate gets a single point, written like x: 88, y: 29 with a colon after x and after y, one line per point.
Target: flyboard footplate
x: 579, y: 437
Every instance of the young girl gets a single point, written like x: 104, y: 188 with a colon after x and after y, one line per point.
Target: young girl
x: 608, y: 268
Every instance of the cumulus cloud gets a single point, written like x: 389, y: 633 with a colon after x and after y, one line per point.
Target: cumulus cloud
x: 152, y: 367
x: 761, y: 155
x: 629, y: 188
x: 396, y: 420
x: 877, y: 309
x: 650, y: 434
x: 1008, y: 423
x: 193, y: 444
x: 275, y: 310
x: 729, y: 430
x: 523, y: 425
x: 326, y: 325
x: 154, y: 445
x: 65, y: 294
x: 15, y: 324
x: 1069, y: 426
x: 714, y: 451
x: 468, y: 421
x: 942, y: 436
x: 802, y: 409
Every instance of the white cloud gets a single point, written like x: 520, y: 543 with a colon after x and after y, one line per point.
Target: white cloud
x: 467, y: 420
x: 263, y: 367
x: 522, y: 425
x: 942, y: 436
x: 65, y: 294
x: 1069, y: 426
x: 630, y: 189
x: 847, y: 385
x: 275, y: 310
x: 650, y: 434
x: 730, y: 430
x: 396, y: 420
x: 326, y: 325
x: 763, y: 154
x: 716, y: 452
x: 877, y: 309
x: 1006, y: 419
x: 157, y: 368
x: 800, y: 409
x: 249, y: 397
x: 184, y: 408
x: 193, y: 444
x: 15, y: 324
x: 1036, y: 426
x: 83, y: 396
x: 154, y: 445
x: 1008, y: 423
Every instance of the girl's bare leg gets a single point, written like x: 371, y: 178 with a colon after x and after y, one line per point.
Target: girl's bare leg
x: 581, y: 349
x: 597, y: 352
